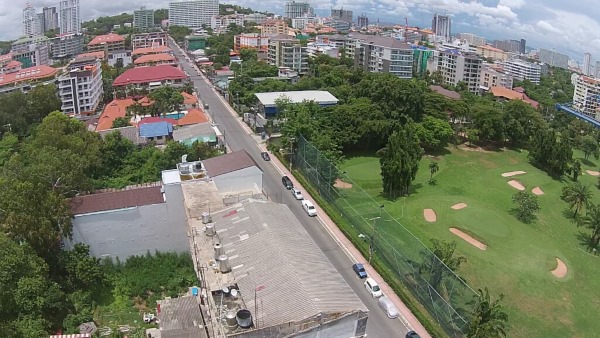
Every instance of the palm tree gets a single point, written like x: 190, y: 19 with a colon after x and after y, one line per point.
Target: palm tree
x: 592, y: 222
x: 576, y: 169
x: 433, y: 168
x: 577, y: 195
x: 488, y: 319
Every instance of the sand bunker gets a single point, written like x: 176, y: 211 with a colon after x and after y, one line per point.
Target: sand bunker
x: 513, y: 173
x: 342, y: 185
x: 537, y: 191
x: 468, y: 238
x: 593, y: 173
x: 561, y: 269
x: 459, y: 206
x: 429, y: 215
x: 516, y: 184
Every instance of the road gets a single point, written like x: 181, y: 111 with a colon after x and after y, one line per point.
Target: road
x: 378, y: 325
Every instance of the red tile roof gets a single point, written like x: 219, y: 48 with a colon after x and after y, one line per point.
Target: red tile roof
x: 445, y: 92
x: 13, y: 64
x: 149, y: 74
x: 150, y: 50
x: 193, y: 116
x: 99, y: 55
x: 116, y: 200
x: 28, y: 74
x: 117, y: 108
x: 154, y: 58
x: 108, y: 38
x: 6, y: 57
x: 512, y: 95
x: 189, y: 98
x: 154, y: 119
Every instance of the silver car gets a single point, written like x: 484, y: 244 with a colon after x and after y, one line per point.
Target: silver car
x: 388, y: 306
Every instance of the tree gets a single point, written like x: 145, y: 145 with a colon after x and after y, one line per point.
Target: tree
x: 576, y: 169
x: 526, y: 206
x: 120, y: 122
x: 434, y: 133
x: 550, y: 152
x: 400, y: 161
x: 433, y: 168
x: 441, y: 264
x: 589, y: 146
x: 178, y: 33
x: 592, y: 222
x: 488, y: 319
x: 188, y: 87
x: 166, y: 99
x: 578, y: 197
x: 79, y: 270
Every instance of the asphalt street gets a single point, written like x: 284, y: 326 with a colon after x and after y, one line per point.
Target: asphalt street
x: 378, y: 324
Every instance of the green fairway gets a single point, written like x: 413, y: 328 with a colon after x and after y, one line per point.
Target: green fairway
x: 519, y: 257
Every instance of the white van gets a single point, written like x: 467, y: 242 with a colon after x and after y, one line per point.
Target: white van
x: 309, y: 208
x: 388, y: 306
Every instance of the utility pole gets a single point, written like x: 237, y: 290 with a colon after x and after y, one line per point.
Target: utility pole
x: 291, y: 151
x: 372, y: 242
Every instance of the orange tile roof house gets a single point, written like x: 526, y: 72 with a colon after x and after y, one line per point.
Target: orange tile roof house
x: 151, y: 77
x: 189, y: 100
x: 22, y: 79
x: 108, y: 43
x: 151, y: 50
x: 117, y: 108
x: 509, y: 94
x: 193, y: 116
x: 155, y: 60
x: 98, y: 54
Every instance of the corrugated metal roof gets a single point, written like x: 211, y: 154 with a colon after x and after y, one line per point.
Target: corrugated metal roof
x: 271, y: 252
x: 198, y: 131
x: 228, y: 163
x: 319, y: 96
x: 155, y: 129
x: 116, y: 200
x: 180, y: 317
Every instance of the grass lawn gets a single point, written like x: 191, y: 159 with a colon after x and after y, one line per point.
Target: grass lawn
x: 519, y: 257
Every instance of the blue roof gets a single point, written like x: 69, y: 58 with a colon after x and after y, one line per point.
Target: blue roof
x: 156, y: 129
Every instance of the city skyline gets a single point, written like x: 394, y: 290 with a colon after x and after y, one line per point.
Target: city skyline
x: 568, y: 28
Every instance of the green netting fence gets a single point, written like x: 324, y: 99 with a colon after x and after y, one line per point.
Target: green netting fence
x: 444, y: 294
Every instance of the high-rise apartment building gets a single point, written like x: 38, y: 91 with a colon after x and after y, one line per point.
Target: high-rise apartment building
x: 31, y: 51
x: 362, y: 21
x: 598, y: 69
x: 223, y: 21
x: 80, y: 89
x: 31, y: 22
x: 342, y: 14
x: 587, y: 64
x: 274, y: 27
x: 287, y: 51
x: 553, y: 58
x: 295, y: 9
x: 379, y: 54
x: 586, y: 97
x: 523, y: 70
x: 50, y: 19
x: 153, y: 39
x: 510, y: 46
x: 251, y: 41
x: 493, y: 77
x: 143, y: 19
x: 456, y: 67
x: 66, y: 45
x: 192, y: 14
x: 441, y: 26
x: 472, y: 39
x: 70, y: 18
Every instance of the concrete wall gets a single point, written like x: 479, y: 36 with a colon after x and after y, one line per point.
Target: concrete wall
x: 135, y: 231
x: 241, y: 180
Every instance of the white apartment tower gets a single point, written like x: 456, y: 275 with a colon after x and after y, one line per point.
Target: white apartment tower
x: 50, y: 19
x: 31, y: 22
x: 295, y: 9
x: 80, y: 89
x: 523, y: 70
x: 70, y: 19
x: 586, y: 97
x: 587, y: 64
x: 441, y: 26
x: 598, y: 69
x: 192, y: 14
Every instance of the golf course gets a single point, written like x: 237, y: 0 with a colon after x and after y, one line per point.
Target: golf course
x: 549, y: 278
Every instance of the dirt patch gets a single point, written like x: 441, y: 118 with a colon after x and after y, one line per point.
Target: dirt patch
x: 459, y: 206
x: 473, y: 148
x: 468, y: 238
x: 513, y: 173
x: 593, y: 173
x: 537, y: 191
x: 342, y: 185
x: 429, y: 215
x: 516, y: 184
x: 561, y: 269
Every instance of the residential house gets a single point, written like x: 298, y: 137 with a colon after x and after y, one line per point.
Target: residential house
x: 157, y: 132
x: 160, y: 49
x: 198, y: 132
x: 151, y: 77
x: 155, y: 60
x: 505, y: 94
x: 25, y: 79
x: 120, y: 58
x: 107, y: 43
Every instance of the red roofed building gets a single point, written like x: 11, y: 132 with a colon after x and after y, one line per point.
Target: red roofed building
x: 151, y: 77
x: 107, y: 43
x: 189, y: 100
x: 154, y: 119
x: 151, y: 50
x: 155, y: 60
x: 193, y: 116
x: 5, y: 59
x: 24, y: 78
x: 509, y: 94
x: 11, y: 67
x: 117, y: 108
x: 98, y: 55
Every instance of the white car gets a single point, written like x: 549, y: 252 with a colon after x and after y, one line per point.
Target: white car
x: 373, y: 288
x: 297, y: 194
x: 309, y: 208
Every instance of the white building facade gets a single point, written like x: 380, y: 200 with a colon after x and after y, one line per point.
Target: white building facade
x: 441, y: 26
x: 586, y: 97
x: 223, y: 21
x: 80, y: 89
x: 523, y: 70
x: 192, y: 14
x: 70, y: 18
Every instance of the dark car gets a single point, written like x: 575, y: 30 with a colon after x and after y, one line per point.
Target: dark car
x: 287, y: 183
x: 360, y: 270
x: 265, y: 156
x: 412, y: 334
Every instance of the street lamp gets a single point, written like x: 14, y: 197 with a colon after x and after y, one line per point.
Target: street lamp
x: 374, y: 233
x: 291, y: 151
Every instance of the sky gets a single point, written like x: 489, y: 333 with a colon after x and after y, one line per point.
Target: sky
x: 568, y: 26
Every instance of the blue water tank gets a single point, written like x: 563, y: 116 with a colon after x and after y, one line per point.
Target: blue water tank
x: 194, y: 291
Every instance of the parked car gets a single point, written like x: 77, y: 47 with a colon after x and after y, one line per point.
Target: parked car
x: 388, y: 307
x: 297, y: 194
x: 373, y: 288
x: 287, y: 183
x: 412, y: 334
x: 309, y: 208
x: 360, y: 270
x: 265, y: 156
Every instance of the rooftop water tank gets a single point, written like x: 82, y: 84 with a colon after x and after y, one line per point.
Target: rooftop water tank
x: 210, y: 229
x: 244, y: 318
x: 231, y: 321
x: 224, y: 265
x: 206, y: 217
x: 218, y: 250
